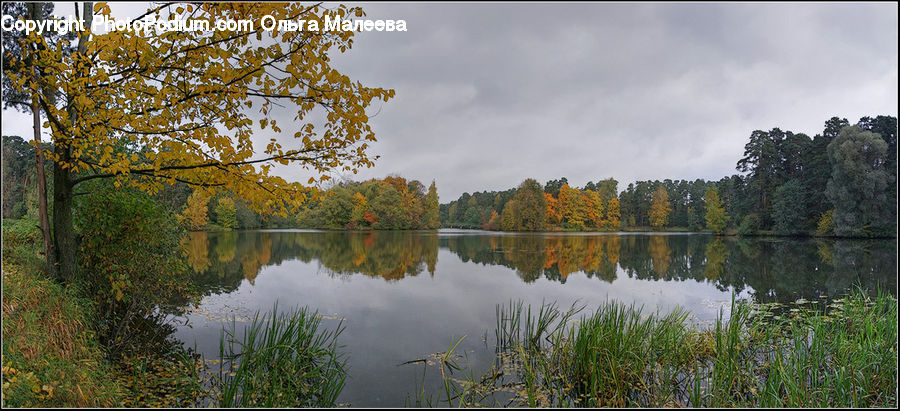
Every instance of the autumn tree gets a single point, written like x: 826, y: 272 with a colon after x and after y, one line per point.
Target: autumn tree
x: 572, y: 208
x: 595, y: 208
x: 432, y: 207
x: 553, y: 215
x: 194, y: 215
x: 494, y: 222
x: 659, y: 208
x: 716, y: 217
x: 613, y: 214
x: 148, y: 107
x: 360, y: 206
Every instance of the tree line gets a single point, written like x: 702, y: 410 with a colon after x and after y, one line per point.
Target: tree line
x: 392, y: 203
x: 841, y: 182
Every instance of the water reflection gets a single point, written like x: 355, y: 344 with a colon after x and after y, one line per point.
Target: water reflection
x: 770, y: 269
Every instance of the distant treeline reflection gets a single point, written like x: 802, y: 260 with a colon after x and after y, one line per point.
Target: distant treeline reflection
x: 775, y: 269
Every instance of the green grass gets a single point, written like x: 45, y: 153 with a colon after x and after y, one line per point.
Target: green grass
x: 807, y: 355
x: 285, y: 360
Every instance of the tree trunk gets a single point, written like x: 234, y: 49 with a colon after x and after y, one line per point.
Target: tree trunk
x: 64, y: 231
x: 39, y: 160
x: 63, y: 184
x: 42, y: 190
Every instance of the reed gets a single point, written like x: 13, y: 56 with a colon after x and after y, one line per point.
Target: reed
x: 837, y: 354
x: 284, y: 360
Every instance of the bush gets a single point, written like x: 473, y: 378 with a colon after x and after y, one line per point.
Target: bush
x: 826, y: 223
x: 749, y: 225
x: 128, y: 262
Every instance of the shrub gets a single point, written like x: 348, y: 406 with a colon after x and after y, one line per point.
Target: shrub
x: 128, y: 262
x: 826, y: 223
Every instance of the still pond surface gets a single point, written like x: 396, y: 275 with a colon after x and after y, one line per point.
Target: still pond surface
x: 403, y: 296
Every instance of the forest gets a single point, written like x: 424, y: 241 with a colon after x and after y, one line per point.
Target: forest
x: 841, y: 182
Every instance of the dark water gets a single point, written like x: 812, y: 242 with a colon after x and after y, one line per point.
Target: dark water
x: 404, y: 295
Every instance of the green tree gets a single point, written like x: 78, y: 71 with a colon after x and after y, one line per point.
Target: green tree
x: 18, y: 172
x: 761, y: 162
x: 859, y: 185
x: 788, y: 207
x: 387, y: 210
x: 716, y: 217
x: 226, y: 213
x: 509, y: 216
x: 337, y: 207
x: 553, y: 186
x: 532, y: 206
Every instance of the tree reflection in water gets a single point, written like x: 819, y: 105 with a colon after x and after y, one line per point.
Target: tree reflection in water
x: 773, y: 269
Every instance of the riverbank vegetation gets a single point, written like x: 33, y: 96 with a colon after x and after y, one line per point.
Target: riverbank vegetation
x: 52, y: 356
x: 842, y: 354
x: 841, y: 182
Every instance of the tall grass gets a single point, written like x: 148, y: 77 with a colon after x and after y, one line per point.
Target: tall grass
x: 284, y: 360
x: 51, y: 354
x: 842, y: 355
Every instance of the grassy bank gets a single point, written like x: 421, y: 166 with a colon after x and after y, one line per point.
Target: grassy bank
x: 51, y: 357
x: 840, y: 355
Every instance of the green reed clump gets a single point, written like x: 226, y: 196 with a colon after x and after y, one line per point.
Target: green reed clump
x: 285, y: 360
x: 843, y: 355
x: 618, y: 355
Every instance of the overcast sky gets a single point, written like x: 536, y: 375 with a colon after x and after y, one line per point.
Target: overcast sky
x: 490, y: 94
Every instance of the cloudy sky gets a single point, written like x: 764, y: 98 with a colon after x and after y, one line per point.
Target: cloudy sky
x: 490, y: 94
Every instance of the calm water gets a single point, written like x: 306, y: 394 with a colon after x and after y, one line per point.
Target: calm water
x: 404, y: 295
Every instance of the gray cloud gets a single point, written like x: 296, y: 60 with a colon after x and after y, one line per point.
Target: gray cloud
x: 489, y: 94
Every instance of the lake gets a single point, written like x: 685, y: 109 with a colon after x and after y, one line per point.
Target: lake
x: 405, y: 295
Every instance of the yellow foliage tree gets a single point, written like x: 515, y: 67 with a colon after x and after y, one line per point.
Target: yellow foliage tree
x: 188, y: 103
x: 613, y: 214
x: 595, y: 210
x: 571, y: 207
x: 360, y: 206
x: 194, y: 215
x: 660, y: 208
